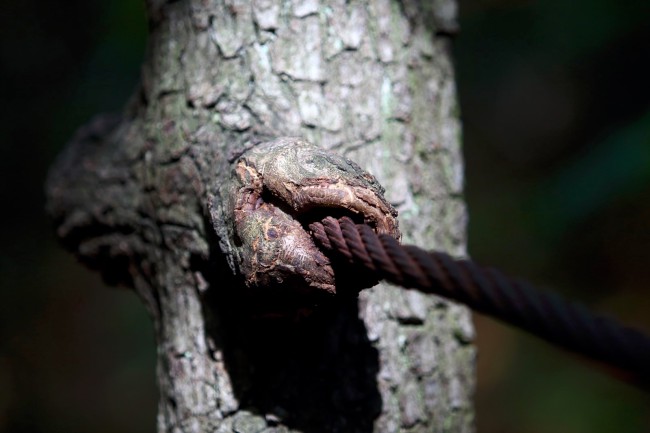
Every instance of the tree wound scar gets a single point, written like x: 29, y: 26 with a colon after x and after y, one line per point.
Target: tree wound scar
x: 304, y: 182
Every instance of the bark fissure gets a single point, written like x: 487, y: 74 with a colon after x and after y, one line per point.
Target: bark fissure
x: 143, y: 197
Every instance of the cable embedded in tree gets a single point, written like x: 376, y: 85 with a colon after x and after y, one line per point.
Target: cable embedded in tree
x: 546, y: 315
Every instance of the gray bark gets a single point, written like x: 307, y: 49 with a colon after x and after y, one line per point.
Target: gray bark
x: 139, y: 196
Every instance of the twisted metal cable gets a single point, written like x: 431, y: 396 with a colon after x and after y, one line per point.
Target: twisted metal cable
x: 488, y: 291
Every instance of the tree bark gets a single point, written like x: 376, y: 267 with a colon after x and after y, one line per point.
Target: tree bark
x: 140, y: 196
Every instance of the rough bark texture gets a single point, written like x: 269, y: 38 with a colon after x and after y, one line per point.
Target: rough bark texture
x: 141, y: 197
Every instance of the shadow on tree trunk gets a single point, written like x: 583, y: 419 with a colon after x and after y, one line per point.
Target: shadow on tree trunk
x: 314, y: 374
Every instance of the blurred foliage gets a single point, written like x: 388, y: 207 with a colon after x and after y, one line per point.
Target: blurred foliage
x: 556, y: 106
x: 556, y: 103
x: 74, y: 355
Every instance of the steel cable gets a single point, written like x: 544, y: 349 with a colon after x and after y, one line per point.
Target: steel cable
x: 566, y: 324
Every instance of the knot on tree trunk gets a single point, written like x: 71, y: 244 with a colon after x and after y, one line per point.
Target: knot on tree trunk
x: 278, y: 189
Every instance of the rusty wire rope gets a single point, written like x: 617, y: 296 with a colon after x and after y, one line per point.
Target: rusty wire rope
x: 546, y: 315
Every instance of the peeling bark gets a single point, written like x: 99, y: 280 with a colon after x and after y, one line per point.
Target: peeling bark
x: 141, y: 197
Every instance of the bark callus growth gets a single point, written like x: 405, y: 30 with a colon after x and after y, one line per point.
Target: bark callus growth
x: 278, y: 188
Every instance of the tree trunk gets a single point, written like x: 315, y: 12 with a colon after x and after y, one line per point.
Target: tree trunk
x: 140, y: 196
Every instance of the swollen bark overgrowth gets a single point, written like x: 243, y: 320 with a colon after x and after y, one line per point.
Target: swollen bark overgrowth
x: 143, y: 197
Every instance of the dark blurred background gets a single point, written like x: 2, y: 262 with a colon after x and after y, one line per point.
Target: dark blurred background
x: 555, y: 98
